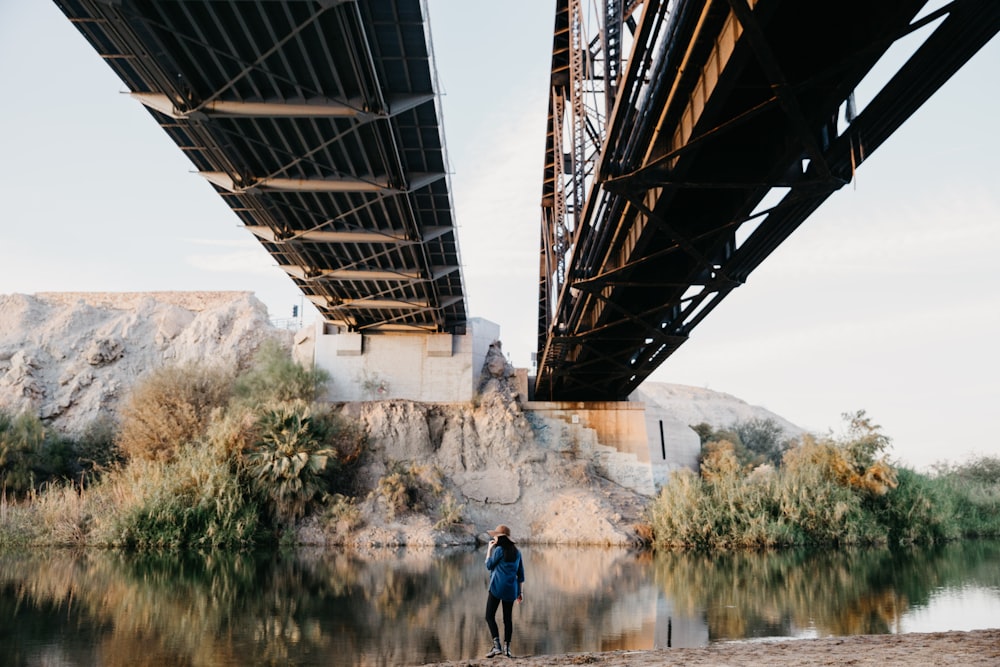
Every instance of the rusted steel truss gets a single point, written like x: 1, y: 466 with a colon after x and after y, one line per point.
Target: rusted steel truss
x: 318, y: 124
x: 726, y: 124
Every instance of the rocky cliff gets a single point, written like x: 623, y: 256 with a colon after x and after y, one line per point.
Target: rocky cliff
x: 71, y: 357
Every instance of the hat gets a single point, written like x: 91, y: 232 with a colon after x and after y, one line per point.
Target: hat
x: 500, y: 530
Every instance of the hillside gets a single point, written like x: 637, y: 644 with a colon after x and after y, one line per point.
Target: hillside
x: 696, y: 405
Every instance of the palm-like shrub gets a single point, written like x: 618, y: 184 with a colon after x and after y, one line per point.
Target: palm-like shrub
x: 170, y: 408
x: 290, y: 457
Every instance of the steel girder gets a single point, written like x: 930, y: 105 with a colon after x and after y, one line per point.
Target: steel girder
x: 721, y: 102
x: 317, y: 122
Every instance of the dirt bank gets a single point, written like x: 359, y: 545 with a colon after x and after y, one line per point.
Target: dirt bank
x: 977, y: 647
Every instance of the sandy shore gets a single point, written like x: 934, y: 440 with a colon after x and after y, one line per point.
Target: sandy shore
x: 978, y: 647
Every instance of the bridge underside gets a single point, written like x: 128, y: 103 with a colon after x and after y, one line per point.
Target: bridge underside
x: 317, y: 122
x: 741, y: 101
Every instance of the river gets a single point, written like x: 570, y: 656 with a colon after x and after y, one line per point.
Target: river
x: 408, y: 607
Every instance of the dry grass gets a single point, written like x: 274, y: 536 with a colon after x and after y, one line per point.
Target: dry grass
x: 170, y: 408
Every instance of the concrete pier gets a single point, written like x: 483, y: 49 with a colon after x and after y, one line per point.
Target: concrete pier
x: 634, y: 445
x: 431, y: 368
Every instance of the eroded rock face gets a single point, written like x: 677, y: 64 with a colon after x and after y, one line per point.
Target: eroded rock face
x: 71, y: 357
x: 501, y: 465
x: 104, y: 351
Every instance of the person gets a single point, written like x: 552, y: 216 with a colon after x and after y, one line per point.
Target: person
x: 503, y: 560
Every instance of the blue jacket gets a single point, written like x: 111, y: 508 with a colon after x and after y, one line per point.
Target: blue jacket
x: 506, y: 577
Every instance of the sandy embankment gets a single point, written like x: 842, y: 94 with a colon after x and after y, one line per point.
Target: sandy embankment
x: 977, y: 647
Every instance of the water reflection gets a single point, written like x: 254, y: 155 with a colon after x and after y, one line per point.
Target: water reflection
x: 417, y: 606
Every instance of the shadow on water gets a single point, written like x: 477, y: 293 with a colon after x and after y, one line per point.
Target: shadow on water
x: 417, y: 606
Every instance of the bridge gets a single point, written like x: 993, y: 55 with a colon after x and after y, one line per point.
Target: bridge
x: 686, y: 140
x: 317, y: 123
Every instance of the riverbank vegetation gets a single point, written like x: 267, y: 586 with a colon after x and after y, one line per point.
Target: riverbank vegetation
x: 202, y: 457
x: 756, y: 492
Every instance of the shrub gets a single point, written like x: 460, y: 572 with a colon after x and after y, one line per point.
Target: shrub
x: 762, y: 438
x: 233, y: 431
x: 169, y: 408
x: 342, y: 512
x: 22, y: 438
x: 408, y: 488
x: 275, y: 377
x: 287, y: 462
x: 825, y: 492
x: 980, y: 470
x: 96, y: 448
x: 918, y: 510
x: 974, y: 490
x: 195, y: 500
x: 813, y: 498
x: 754, y: 442
x: 449, y: 512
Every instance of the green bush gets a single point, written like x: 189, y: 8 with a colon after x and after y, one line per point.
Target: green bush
x: 22, y: 439
x: 974, y: 490
x: 96, y: 447
x: 763, y: 439
x: 275, y: 377
x: 288, y: 461
x: 170, y: 408
x: 754, y: 442
x: 918, y: 510
x: 195, y: 500
x: 823, y: 494
x: 980, y: 470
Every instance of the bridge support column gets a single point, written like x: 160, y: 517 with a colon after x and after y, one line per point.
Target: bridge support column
x: 611, y: 434
x: 649, y: 442
x: 432, y: 367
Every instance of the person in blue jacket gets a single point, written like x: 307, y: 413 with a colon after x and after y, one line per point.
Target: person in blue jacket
x: 503, y: 560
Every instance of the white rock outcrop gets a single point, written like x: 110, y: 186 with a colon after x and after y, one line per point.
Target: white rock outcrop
x: 71, y: 356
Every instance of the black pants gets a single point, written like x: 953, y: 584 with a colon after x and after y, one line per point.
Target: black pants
x: 492, y: 602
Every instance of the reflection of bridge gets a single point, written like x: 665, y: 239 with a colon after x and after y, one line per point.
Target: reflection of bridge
x: 686, y: 141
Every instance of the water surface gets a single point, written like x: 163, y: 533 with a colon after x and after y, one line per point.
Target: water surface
x: 410, y: 607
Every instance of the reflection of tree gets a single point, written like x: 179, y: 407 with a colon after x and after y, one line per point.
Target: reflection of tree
x: 413, y: 607
x: 831, y: 593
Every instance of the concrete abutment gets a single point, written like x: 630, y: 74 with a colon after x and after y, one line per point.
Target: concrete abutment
x: 632, y: 444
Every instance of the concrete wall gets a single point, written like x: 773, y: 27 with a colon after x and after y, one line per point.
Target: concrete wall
x: 612, y: 434
x: 434, y: 368
x: 661, y: 443
x: 673, y: 445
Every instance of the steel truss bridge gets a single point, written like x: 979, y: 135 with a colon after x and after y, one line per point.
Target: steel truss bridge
x: 317, y: 122
x: 686, y: 140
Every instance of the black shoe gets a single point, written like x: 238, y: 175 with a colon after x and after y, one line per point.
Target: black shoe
x: 496, y: 650
x: 506, y: 650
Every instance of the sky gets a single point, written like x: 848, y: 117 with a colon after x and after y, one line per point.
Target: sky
x: 886, y: 300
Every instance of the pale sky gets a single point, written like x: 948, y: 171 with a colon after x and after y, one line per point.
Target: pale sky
x: 885, y: 300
